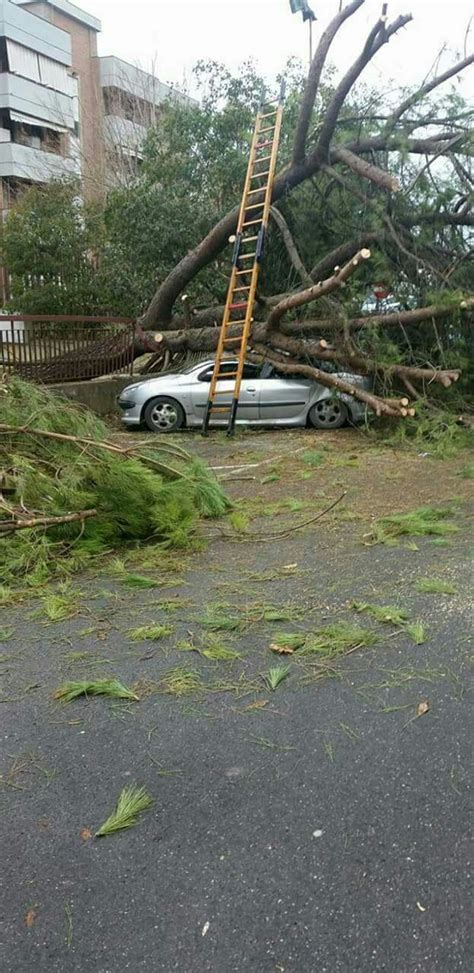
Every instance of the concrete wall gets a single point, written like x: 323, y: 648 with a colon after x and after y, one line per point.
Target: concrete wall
x: 99, y: 395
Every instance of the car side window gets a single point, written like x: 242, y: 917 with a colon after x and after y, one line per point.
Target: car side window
x: 251, y: 371
x: 206, y: 375
x: 226, y: 368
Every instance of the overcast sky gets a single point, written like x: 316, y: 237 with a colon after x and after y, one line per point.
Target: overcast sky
x: 173, y: 34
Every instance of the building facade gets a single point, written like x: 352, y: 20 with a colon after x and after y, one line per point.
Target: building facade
x: 65, y: 111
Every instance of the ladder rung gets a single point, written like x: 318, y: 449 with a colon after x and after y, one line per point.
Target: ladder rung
x: 245, y: 256
x: 222, y: 391
x: 257, y: 175
x: 233, y: 341
x: 250, y: 223
x: 252, y: 192
x: 225, y: 375
x: 239, y: 273
x: 271, y: 128
x: 268, y: 113
x: 247, y: 239
x: 240, y: 321
x: 254, y: 206
x: 243, y: 287
x: 265, y: 158
x: 263, y: 145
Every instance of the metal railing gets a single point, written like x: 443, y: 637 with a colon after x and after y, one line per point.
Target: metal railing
x: 65, y: 348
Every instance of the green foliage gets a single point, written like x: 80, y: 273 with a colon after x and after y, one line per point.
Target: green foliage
x: 337, y: 639
x: 387, y: 614
x: 133, y: 501
x: 275, y: 676
x: 150, y: 633
x: 422, y: 522
x: 220, y: 617
x: 313, y: 457
x: 93, y: 687
x: 435, y: 431
x: 417, y: 632
x: 435, y: 586
x: 47, y: 244
x: 132, y: 801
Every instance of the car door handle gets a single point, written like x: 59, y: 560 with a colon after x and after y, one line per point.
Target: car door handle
x: 250, y: 388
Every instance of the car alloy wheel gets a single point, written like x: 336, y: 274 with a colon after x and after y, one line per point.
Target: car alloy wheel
x: 328, y: 414
x: 163, y: 415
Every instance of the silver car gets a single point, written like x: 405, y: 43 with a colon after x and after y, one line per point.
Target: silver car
x: 169, y: 402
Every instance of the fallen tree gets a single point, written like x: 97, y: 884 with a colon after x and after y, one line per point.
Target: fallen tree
x: 361, y: 160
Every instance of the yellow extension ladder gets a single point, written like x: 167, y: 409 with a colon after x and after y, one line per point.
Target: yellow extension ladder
x: 251, y: 228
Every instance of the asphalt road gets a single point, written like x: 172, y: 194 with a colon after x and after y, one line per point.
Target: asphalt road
x: 325, y: 832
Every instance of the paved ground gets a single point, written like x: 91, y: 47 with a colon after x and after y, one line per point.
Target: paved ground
x: 323, y: 831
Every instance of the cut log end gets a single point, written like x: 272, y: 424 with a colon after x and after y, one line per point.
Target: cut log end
x: 158, y: 337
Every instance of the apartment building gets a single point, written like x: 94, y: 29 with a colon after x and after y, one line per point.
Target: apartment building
x: 64, y: 110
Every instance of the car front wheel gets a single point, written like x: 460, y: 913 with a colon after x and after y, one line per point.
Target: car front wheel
x: 163, y: 415
x: 328, y: 414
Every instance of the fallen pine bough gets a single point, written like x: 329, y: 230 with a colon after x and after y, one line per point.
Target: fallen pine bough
x: 68, y: 494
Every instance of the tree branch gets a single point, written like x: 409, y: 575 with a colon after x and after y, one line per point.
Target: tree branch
x: 314, y: 77
x: 368, y: 171
x: 290, y: 245
x: 379, y: 406
x: 317, y: 290
x: 378, y: 36
x: 425, y: 90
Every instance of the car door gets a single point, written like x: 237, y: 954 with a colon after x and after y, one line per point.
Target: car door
x: 283, y: 398
x: 248, y: 398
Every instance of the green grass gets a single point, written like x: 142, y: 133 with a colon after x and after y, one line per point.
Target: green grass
x: 93, y: 687
x: 152, y: 633
x: 423, y: 521
x: 338, y: 639
x: 467, y: 471
x: 313, y: 457
x: 275, y: 676
x: 132, y: 801
x: 386, y: 614
x: 239, y: 520
x: 417, y: 632
x: 6, y: 634
x: 435, y: 586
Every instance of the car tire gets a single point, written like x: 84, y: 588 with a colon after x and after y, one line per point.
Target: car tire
x: 328, y: 414
x: 163, y: 414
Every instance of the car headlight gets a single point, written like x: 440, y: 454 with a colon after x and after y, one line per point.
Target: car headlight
x: 128, y: 392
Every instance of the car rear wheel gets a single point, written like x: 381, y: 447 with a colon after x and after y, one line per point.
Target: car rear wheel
x: 163, y: 415
x: 328, y: 414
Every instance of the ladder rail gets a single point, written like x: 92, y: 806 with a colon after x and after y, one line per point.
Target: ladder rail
x: 256, y: 266
x: 252, y: 272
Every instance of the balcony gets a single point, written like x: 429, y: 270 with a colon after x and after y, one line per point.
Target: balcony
x: 37, y: 101
x: 34, y: 165
x: 124, y: 134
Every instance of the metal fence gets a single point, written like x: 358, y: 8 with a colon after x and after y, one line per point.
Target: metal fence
x: 65, y: 348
